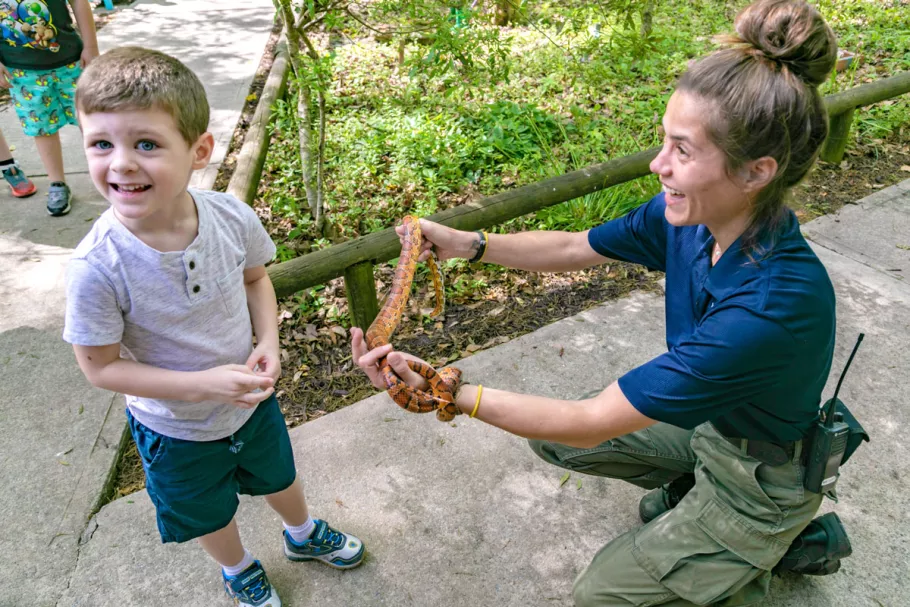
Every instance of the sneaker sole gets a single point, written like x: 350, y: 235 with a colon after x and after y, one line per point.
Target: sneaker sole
x: 25, y: 195
x: 273, y: 602
x: 827, y: 568
x: 293, y: 556
x: 65, y: 210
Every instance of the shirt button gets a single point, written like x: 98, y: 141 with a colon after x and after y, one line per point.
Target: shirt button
x: 196, y: 289
x: 192, y: 265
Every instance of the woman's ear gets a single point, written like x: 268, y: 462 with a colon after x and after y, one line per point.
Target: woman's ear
x: 756, y: 174
x: 202, y: 151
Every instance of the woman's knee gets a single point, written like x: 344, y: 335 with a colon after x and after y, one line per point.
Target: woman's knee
x: 592, y: 590
x: 542, y: 449
x: 553, y: 453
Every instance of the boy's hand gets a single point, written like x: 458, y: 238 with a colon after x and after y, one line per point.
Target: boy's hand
x: 5, y: 77
x: 235, y: 385
x: 266, y: 358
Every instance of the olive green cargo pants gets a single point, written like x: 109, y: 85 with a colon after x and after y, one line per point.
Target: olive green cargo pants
x: 717, y: 546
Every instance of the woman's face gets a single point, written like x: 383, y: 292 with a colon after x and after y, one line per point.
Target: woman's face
x: 693, y: 170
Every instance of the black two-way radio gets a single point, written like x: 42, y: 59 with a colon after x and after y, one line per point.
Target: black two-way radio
x: 829, y: 440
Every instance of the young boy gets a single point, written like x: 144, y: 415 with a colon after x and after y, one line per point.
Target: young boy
x: 163, y: 297
x: 41, y: 56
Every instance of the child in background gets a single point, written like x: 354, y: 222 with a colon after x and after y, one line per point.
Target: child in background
x: 18, y: 181
x: 41, y: 56
x: 163, y: 298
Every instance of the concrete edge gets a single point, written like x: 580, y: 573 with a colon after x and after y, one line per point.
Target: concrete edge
x: 107, y: 489
x: 873, y: 200
x: 850, y: 253
x: 251, y: 157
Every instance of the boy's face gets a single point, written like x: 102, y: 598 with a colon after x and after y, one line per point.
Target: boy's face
x: 140, y: 162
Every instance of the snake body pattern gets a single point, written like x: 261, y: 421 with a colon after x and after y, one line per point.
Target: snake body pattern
x: 444, y: 382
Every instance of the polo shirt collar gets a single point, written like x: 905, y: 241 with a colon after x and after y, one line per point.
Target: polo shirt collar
x: 735, y: 269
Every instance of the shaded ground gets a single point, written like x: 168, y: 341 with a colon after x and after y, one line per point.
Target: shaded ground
x: 517, y: 303
x: 861, y: 173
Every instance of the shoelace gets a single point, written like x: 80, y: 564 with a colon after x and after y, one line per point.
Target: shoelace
x: 256, y: 589
x: 332, y: 538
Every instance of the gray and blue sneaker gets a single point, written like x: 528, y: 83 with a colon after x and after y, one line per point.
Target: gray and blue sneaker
x: 58, y: 199
x: 251, y: 588
x: 327, y: 545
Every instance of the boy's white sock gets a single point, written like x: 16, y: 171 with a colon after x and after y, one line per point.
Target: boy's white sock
x: 301, y: 532
x: 245, y: 562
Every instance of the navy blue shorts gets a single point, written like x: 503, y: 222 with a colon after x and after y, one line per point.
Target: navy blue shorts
x: 194, y: 484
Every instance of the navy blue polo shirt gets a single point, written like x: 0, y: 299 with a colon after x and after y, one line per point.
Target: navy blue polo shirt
x: 749, y: 343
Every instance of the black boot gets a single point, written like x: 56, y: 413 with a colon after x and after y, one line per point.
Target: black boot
x: 664, y: 498
x: 818, y: 549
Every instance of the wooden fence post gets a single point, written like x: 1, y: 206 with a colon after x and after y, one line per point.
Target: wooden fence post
x: 838, y: 135
x: 327, y: 264
x: 361, y: 292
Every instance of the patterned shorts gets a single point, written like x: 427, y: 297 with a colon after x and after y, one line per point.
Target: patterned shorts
x: 45, y: 99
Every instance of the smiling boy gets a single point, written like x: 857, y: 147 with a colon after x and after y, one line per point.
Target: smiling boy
x: 163, y: 298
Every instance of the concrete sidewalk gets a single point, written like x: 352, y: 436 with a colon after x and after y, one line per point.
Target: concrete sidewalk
x: 58, y: 435
x: 463, y: 514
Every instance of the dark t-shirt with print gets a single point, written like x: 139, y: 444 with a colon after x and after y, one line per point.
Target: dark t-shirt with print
x: 37, y: 34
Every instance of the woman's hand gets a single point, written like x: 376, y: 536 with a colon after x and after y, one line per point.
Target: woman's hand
x: 368, y: 360
x: 447, y: 242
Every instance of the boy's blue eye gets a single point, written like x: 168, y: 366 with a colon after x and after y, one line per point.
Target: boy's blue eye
x: 103, y: 145
x: 147, y: 146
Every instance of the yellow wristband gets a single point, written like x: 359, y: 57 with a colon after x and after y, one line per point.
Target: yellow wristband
x: 486, y: 239
x: 477, y: 402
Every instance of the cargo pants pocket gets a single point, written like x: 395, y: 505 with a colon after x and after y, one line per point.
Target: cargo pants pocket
x: 707, y: 557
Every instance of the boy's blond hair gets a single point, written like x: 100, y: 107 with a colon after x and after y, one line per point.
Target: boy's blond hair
x: 135, y: 78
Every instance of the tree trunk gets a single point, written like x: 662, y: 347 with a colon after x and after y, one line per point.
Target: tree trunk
x: 304, y: 103
x: 647, y: 18
x: 316, y: 201
x: 505, y: 12
x: 304, y: 128
x: 320, y: 166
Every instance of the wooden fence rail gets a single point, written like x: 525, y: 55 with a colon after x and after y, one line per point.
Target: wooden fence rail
x: 354, y: 259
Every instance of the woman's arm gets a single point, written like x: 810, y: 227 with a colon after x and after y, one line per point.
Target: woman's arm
x: 536, y: 251
x: 583, y: 424
x: 542, y: 251
x: 576, y: 423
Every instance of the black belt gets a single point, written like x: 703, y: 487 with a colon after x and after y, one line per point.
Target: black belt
x: 773, y: 454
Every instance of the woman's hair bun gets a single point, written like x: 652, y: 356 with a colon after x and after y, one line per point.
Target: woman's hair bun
x: 791, y: 33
